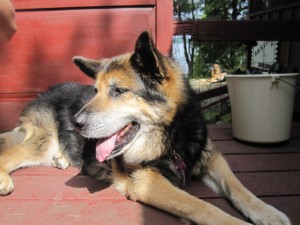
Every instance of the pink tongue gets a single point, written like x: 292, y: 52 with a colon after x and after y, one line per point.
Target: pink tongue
x: 104, y: 148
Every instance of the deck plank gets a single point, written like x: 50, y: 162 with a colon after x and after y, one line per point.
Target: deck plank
x: 72, y: 186
x: 262, y: 184
x: 234, y: 147
x: 224, y: 132
x: 61, y: 187
x: 287, y: 204
x: 264, y: 162
x: 104, y: 212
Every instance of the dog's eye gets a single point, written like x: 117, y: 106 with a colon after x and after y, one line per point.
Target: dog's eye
x: 95, y: 90
x: 117, y: 91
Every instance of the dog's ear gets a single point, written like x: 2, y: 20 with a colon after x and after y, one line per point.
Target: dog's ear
x: 147, y: 59
x: 89, y: 66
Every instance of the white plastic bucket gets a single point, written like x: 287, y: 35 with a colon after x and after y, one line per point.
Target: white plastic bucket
x: 261, y: 106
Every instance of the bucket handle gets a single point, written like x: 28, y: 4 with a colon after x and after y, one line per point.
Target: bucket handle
x: 276, y: 79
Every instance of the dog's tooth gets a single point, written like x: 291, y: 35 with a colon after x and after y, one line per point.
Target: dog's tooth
x: 124, y: 131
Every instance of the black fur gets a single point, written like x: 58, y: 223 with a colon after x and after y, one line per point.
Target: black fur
x: 147, y: 60
x: 186, y: 137
x: 65, y: 100
x: 89, y: 67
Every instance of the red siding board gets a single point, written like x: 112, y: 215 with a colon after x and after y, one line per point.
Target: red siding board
x: 163, y: 28
x: 51, y: 32
x: 52, y: 4
x: 9, y: 113
x: 41, y: 53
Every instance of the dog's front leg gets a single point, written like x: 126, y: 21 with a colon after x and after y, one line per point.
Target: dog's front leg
x: 220, y: 177
x: 150, y: 187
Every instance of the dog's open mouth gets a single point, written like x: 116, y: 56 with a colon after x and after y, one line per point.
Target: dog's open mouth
x: 109, y: 147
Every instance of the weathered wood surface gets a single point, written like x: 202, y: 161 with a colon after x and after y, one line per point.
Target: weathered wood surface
x: 50, y: 196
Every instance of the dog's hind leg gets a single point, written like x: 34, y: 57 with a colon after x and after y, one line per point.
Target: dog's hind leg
x: 10, y: 160
x: 219, y: 176
x: 35, y: 147
x: 7, y: 141
x: 152, y: 188
x: 12, y: 138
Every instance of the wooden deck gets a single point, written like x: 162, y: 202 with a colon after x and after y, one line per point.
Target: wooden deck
x: 51, y: 196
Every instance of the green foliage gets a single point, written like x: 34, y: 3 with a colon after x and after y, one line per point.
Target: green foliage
x: 200, y: 56
x: 225, y: 9
x: 226, y: 119
x: 210, y: 9
x: 213, y: 116
x: 187, y: 9
x: 229, y: 55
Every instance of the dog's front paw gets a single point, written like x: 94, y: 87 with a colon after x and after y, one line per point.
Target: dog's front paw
x: 6, y: 185
x: 60, y: 162
x: 270, y: 216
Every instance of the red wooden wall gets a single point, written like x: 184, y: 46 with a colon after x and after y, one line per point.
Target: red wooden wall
x: 51, y: 32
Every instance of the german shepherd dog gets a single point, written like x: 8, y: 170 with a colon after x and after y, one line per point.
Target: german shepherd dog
x: 140, y: 127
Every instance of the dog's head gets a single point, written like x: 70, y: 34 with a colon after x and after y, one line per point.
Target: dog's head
x: 137, y: 96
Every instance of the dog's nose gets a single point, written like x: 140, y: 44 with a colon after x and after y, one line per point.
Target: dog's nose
x: 79, y: 121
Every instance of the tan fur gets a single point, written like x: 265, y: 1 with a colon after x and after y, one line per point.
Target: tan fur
x: 150, y: 187
x: 174, y: 89
x: 10, y: 139
x: 221, y: 179
x: 219, y: 176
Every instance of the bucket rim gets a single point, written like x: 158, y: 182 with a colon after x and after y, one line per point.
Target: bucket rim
x: 262, y: 75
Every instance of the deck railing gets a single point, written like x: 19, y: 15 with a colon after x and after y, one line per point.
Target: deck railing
x: 247, y: 32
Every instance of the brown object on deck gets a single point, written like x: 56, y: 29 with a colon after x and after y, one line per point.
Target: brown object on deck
x: 51, y: 196
x: 216, y: 73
